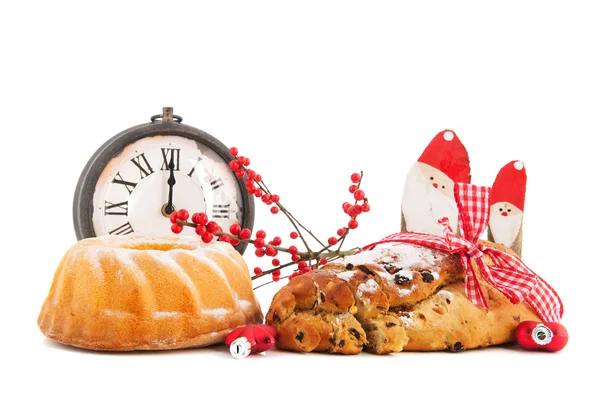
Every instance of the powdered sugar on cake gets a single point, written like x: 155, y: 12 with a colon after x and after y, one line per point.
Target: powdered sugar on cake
x: 397, y: 255
x: 369, y: 286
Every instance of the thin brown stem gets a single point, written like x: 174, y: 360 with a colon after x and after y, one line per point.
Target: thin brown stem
x: 291, y: 217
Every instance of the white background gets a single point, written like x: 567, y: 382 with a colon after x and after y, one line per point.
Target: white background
x: 311, y: 92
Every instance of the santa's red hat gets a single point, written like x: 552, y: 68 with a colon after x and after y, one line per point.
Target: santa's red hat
x: 510, y: 185
x: 446, y: 153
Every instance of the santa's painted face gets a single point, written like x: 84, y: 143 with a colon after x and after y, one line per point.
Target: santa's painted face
x: 438, y: 179
x: 506, y: 209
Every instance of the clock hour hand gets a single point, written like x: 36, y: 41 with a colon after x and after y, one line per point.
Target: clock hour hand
x: 171, y: 182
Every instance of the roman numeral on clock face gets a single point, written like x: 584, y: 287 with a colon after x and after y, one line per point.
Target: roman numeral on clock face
x: 168, y: 155
x: 194, y: 167
x: 216, y: 183
x: 221, y: 211
x: 138, y: 161
x: 116, y: 209
x: 120, y: 181
x: 122, y: 230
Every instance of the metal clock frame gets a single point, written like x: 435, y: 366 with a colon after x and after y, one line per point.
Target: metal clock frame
x: 166, y: 124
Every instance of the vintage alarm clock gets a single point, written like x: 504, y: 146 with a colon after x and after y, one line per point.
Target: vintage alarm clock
x: 140, y: 176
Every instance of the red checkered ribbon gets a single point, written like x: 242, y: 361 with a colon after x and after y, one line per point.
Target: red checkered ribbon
x: 507, y: 273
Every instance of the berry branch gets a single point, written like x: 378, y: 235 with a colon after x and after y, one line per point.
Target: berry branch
x: 303, y: 261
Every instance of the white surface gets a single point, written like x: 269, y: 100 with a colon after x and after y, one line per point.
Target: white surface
x: 311, y: 92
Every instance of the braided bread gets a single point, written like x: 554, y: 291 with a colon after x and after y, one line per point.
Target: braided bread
x: 387, y: 300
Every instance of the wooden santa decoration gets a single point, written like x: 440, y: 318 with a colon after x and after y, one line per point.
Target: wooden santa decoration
x: 508, y: 203
x: 429, y: 188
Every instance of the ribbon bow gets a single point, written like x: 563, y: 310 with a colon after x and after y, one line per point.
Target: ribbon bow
x: 507, y: 273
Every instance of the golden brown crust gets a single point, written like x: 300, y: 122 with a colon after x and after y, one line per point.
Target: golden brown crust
x: 400, y: 301
x: 138, y: 293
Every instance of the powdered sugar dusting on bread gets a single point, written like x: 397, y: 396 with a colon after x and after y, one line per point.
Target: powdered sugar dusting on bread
x: 369, y: 286
x: 397, y: 256
x: 407, y: 319
x: 346, y: 275
x: 446, y: 295
x: 406, y: 292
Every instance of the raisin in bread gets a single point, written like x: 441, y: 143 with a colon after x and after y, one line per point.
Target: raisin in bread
x: 403, y: 297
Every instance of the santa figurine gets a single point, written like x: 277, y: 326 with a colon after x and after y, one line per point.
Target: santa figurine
x: 508, y: 203
x: 429, y: 188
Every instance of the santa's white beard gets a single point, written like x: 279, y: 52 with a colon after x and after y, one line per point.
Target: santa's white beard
x: 423, y: 205
x: 505, y: 229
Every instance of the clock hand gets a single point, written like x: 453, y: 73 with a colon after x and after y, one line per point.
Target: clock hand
x: 171, y: 182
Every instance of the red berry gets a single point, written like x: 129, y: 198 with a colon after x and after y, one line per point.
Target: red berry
x: 233, y: 151
x: 261, y: 234
x: 276, y: 278
x: 200, y: 230
x: 202, y: 218
x: 354, y: 210
x: 302, y: 265
x: 212, y: 226
x: 341, y: 231
x: 258, y: 178
x: 249, y: 182
x: 353, y: 224
x: 173, y: 217
x: 276, y: 241
x: 294, y: 235
x: 233, y: 165
x: 275, y: 198
x: 251, y: 175
x: 207, y: 237
x: 274, y: 210
x: 266, y: 198
x: 355, y: 177
x: 245, y: 234
x: 225, y: 238
x: 323, y: 261
x: 332, y: 241
x: 258, y: 193
x: 240, y: 173
x: 277, y: 272
x: 183, y: 214
x: 270, y: 251
x: 241, y: 160
x: 365, y: 207
x: 346, y: 206
x: 352, y: 188
x: 235, y: 229
x: 293, y: 250
x: 246, y: 161
x: 275, y: 262
x: 235, y: 242
x: 251, y: 189
x: 258, y: 271
x: 176, y: 228
x: 359, y: 195
x: 195, y: 218
x: 259, y: 252
x: 258, y: 243
x: 295, y: 257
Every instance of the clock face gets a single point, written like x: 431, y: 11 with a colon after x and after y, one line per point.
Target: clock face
x: 132, y: 193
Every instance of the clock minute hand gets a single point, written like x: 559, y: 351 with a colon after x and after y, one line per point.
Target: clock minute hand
x: 171, y: 182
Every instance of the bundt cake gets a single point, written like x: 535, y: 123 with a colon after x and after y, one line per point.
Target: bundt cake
x: 403, y: 297
x: 148, y: 293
